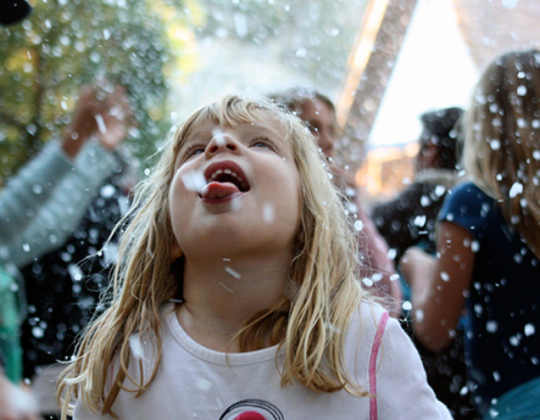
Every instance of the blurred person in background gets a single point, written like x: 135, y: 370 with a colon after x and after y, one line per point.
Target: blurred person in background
x: 58, y: 310
x: 410, y: 220
x: 488, y: 246
x: 43, y: 203
x: 319, y: 114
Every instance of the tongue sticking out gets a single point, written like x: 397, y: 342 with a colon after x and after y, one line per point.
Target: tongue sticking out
x: 217, y: 190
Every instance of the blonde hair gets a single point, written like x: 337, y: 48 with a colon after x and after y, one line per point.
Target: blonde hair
x: 323, y: 291
x: 502, y: 139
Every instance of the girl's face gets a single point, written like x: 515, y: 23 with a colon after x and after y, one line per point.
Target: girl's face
x: 235, y: 190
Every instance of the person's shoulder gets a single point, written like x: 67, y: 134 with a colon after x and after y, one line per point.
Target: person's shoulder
x: 468, y: 192
x: 466, y: 202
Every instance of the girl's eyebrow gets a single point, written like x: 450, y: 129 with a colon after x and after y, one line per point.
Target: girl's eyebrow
x: 197, y: 135
x: 276, y: 133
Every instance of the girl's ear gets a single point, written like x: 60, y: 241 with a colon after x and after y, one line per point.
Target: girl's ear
x: 176, y: 251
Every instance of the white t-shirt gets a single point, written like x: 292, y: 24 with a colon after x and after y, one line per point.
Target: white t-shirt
x: 194, y: 382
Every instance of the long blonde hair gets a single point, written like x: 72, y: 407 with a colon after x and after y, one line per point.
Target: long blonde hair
x: 313, y: 316
x: 502, y: 139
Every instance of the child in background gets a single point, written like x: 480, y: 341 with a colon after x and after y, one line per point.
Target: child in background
x: 489, y: 246
x: 236, y: 294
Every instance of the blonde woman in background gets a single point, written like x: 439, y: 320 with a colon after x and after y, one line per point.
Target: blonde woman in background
x: 489, y: 246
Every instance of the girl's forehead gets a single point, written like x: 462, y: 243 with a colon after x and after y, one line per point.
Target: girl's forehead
x: 209, y: 128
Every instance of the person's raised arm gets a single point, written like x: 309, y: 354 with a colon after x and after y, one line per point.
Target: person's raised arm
x: 31, y: 187
x: 439, y: 285
x: 62, y: 212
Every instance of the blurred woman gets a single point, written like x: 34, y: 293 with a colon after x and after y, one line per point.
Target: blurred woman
x: 489, y: 246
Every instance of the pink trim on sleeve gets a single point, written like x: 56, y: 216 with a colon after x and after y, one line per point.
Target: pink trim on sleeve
x: 373, y: 366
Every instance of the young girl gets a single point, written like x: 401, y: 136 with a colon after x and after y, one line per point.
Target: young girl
x: 236, y: 295
x: 489, y: 246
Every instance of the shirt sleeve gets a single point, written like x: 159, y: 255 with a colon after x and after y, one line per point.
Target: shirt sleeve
x: 467, y: 206
x: 63, y: 211
x: 402, y: 390
x: 29, y: 188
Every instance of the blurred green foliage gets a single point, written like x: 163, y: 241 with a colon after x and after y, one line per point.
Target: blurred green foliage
x: 66, y: 44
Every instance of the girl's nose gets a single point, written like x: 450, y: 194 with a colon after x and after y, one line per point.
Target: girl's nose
x: 221, y: 143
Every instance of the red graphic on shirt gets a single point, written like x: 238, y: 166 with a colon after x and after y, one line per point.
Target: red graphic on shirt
x: 250, y: 415
x: 252, y: 409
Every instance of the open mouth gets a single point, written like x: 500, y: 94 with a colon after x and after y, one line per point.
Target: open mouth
x: 224, y: 180
x: 229, y: 176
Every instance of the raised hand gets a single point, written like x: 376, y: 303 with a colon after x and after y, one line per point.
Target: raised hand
x: 109, y: 118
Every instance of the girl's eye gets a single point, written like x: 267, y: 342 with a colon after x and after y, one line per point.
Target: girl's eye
x: 193, y: 150
x: 262, y: 143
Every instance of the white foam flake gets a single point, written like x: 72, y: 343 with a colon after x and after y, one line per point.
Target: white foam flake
x: 445, y: 276
x: 420, y: 220
x: 226, y: 288
x: 75, y: 272
x: 516, y: 189
x: 136, y: 347
x: 233, y: 273
x: 194, y: 181
x: 358, y: 225
x: 492, y: 327
x: 268, y: 213
x: 367, y: 281
x: 514, y: 340
x: 529, y: 329
x: 107, y: 191
x: 495, y: 144
x: 203, y: 384
x: 218, y: 136
x: 332, y: 328
x: 440, y: 190
x: 236, y: 204
x: 419, y: 315
x: 407, y: 306
x: 101, y: 124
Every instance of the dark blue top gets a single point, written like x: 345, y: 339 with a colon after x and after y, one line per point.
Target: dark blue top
x: 502, y: 337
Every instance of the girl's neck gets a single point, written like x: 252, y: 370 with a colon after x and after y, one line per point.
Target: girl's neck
x: 220, y: 294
